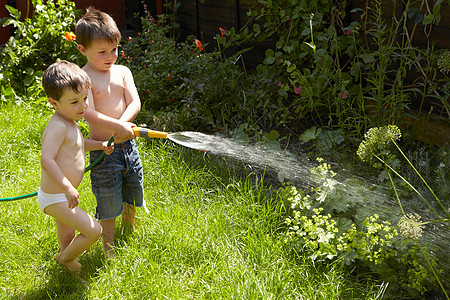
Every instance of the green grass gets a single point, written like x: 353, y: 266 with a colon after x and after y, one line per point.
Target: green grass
x: 207, y: 234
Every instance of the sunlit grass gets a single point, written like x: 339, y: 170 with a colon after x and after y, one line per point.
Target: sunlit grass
x: 207, y: 234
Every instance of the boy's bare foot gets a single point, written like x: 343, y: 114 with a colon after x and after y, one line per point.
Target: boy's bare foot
x: 109, y: 253
x: 72, y: 266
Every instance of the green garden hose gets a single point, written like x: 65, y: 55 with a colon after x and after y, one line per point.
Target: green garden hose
x: 99, y: 159
x: 138, y: 132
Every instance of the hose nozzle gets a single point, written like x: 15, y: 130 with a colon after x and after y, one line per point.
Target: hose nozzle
x: 144, y: 132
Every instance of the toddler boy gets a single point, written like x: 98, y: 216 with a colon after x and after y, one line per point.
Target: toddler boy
x: 63, y: 162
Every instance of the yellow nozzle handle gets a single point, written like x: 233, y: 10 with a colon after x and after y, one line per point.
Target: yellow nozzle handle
x: 144, y: 132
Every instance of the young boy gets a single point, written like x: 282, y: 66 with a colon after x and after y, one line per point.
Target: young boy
x: 63, y: 162
x: 113, y: 104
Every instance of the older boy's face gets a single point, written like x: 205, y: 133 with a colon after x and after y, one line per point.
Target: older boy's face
x: 101, y: 54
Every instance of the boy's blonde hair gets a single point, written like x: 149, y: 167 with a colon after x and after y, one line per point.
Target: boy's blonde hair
x: 96, y: 25
x: 62, y: 75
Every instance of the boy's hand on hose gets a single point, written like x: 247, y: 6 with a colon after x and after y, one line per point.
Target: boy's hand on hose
x: 108, y: 149
x: 72, y: 197
x: 124, y: 132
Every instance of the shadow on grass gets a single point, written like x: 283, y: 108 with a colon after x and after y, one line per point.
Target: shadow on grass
x: 62, y: 285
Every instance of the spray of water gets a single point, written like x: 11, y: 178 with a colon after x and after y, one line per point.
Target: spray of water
x: 285, y: 164
x: 352, y: 190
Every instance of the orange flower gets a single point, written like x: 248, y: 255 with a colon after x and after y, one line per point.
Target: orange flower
x: 70, y: 36
x: 223, y: 31
x: 199, y: 45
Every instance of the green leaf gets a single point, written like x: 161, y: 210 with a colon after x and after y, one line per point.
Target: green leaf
x: 272, y: 135
x: 269, y: 52
x: 306, y: 31
x: 14, y: 12
x: 282, y: 92
x: 269, y: 60
x: 310, y: 134
x: 428, y: 19
x: 436, y: 9
x: 367, y: 58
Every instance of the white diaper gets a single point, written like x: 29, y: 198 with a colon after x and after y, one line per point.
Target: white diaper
x: 45, y: 199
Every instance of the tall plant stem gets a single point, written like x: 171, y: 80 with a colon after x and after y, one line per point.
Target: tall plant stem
x: 415, y: 25
x: 395, y: 190
x: 432, y: 269
x: 435, y: 221
x: 406, y: 181
x: 417, y: 172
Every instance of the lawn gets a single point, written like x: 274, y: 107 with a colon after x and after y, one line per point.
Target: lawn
x: 208, y: 234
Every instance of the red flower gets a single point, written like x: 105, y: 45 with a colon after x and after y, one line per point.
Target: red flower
x: 129, y: 38
x: 199, y: 45
x: 298, y: 90
x: 348, y: 32
x: 223, y: 31
x: 70, y: 36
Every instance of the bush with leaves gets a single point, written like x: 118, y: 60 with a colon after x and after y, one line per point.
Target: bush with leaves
x: 324, y: 227
x: 186, y: 87
x: 345, y: 74
x: 36, y: 43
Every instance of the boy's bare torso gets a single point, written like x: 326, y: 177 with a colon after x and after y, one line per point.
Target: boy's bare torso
x: 70, y: 156
x: 108, y: 96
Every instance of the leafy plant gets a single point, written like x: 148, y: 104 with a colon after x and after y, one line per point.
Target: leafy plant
x: 325, y: 226
x: 190, y: 88
x: 376, y: 145
x: 37, y: 42
x: 347, y: 75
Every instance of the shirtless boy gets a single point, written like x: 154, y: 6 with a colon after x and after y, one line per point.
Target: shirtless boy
x: 113, y: 104
x: 63, y: 162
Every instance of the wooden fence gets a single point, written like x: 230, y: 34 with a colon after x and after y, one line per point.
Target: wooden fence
x: 203, y: 19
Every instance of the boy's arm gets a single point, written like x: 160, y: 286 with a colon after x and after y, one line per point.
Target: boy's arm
x: 131, y: 98
x: 51, y: 143
x: 90, y: 145
x: 123, y: 129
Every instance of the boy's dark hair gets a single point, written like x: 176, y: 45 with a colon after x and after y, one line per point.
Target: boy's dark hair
x: 96, y: 25
x: 61, y: 75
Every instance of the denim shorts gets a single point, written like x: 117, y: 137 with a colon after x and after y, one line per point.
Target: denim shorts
x: 117, y: 179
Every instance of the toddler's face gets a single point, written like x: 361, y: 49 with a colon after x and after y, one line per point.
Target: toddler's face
x: 101, y: 54
x: 71, y: 105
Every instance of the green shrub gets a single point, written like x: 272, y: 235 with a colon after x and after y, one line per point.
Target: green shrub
x: 348, y: 75
x: 329, y: 224
x: 36, y: 43
x: 190, y: 88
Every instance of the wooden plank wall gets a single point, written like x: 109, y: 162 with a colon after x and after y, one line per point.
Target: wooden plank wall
x: 437, y: 34
x: 204, y: 19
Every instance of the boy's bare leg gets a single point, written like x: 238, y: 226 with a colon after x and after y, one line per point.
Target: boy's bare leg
x: 90, y: 231
x: 128, y: 214
x: 109, y: 231
x: 65, y: 235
